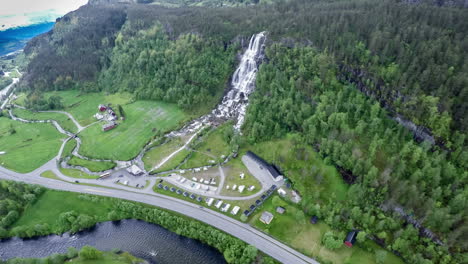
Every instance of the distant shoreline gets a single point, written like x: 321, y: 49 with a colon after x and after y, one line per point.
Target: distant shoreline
x: 13, y: 40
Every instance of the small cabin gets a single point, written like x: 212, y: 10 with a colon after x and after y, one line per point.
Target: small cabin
x: 108, y: 126
x: 351, y: 238
x: 102, y: 108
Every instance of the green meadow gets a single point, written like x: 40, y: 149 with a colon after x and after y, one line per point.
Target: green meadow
x: 27, y: 146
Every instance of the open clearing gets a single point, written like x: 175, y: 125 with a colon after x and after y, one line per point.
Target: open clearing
x: 155, y: 155
x: 27, y: 146
x: 142, y: 120
x: 212, y: 147
x: 52, y: 203
x: 83, y: 106
x: 94, y: 166
x: 75, y: 173
x: 64, y: 121
x: 232, y: 171
x: 306, y: 237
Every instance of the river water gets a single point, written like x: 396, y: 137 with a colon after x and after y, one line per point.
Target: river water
x: 147, y: 241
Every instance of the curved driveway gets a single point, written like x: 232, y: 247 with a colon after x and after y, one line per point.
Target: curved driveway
x: 240, y: 230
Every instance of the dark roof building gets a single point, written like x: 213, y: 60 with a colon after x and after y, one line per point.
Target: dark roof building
x: 172, y: 189
x: 273, y: 171
x: 351, y: 238
x: 314, y: 219
x: 160, y: 186
x: 199, y: 199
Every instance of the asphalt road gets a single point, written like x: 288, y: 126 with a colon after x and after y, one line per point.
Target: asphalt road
x: 240, y: 230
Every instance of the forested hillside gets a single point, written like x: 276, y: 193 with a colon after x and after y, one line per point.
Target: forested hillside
x: 336, y: 72
x: 14, y: 197
x: 298, y: 91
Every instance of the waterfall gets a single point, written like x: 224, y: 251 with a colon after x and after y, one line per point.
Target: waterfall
x: 234, y: 103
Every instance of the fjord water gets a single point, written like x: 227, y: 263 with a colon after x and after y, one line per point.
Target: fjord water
x: 147, y: 241
x: 14, y: 39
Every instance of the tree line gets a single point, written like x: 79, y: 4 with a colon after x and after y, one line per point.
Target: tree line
x: 298, y: 91
x: 15, y: 196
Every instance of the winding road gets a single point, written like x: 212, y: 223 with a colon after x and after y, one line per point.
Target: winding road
x: 245, y: 232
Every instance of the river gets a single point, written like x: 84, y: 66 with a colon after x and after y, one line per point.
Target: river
x: 147, y: 241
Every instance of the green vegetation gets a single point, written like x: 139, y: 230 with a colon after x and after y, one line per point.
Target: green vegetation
x: 372, y: 151
x: 294, y: 228
x: 173, y: 162
x: 27, y: 146
x: 232, y: 171
x: 69, y: 147
x: 189, y: 71
x: 210, y: 146
x: 143, y: 119
x: 50, y: 174
x: 75, y: 173
x: 14, y: 199
x: 86, y: 255
x: 57, y: 212
x: 94, y: 166
x: 64, y: 121
x: 156, y: 154
x: 5, y: 81
x: 20, y: 100
x: 82, y: 106
x: 311, y: 176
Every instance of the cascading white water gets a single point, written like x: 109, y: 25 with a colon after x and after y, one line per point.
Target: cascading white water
x: 234, y: 103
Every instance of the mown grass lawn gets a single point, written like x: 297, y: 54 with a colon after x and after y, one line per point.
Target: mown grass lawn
x: 155, y: 155
x: 69, y: 147
x: 212, y: 146
x: 232, y: 171
x: 83, y: 106
x: 173, y: 162
x: 64, y: 121
x: 142, y: 120
x: 52, y: 203
x: 74, y: 173
x: 27, y: 146
x: 306, y: 237
x: 303, y: 166
x: 94, y: 166
x: 50, y: 174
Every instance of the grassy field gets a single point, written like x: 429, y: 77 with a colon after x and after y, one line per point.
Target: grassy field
x: 94, y: 166
x: 74, y: 173
x: 27, y: 146
x: 83, y: 106
x: 212, y: 146
x: 305, y: 237
x: 69, y: 147
x: 232, y: 171
x: 142, y: 120
x: 155, y: 155
x: 64, y: 121
x: 174, y: 161
x: 20, y: 99
x: 304, y: 167
x: 50, y: 174
x: 243, y: 204
x: 52, y: 203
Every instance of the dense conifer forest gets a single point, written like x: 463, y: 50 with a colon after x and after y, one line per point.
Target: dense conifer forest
x: 337, y: 72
